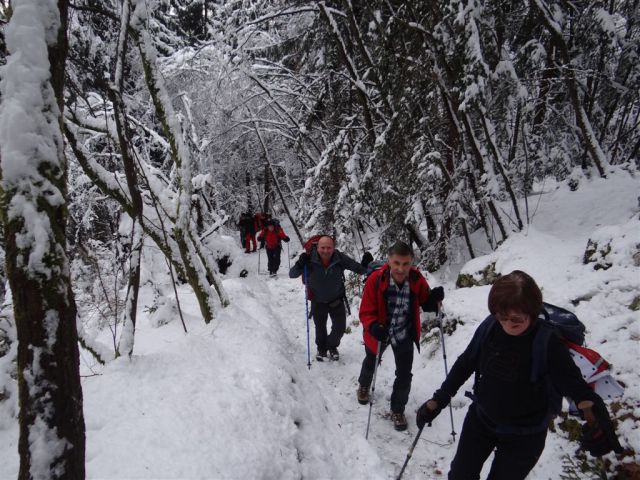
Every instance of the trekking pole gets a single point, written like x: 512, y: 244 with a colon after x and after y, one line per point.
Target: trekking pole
x: 446, y: 370
x: 373, y: 388
x: 413, y: 445
x: 306, y: 308
x: 258, y: 261
x: 288, y: 256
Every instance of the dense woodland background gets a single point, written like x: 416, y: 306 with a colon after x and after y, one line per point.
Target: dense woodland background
x: 413, y: 119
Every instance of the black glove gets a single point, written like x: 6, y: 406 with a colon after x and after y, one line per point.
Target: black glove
x: 426, y: 415
x: 304, y: 260
x: 379, y: 331
x: 286, y: 239
x: 367, y: 258
x: 436, y: 295
x: 600, y: 438
x: 261, y: 243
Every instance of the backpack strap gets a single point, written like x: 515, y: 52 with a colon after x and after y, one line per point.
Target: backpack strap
x: 481, y: 334
x: 540, y: 347
x: 540, y: 362
x: 384, y: 276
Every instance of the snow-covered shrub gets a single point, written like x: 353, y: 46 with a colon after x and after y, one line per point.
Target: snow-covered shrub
x: 614, y: 245
x: 163, y: 311
x: 98, y: 273
x: 485, y: 276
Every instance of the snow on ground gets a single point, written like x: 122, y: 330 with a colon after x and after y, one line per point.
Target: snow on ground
x: 235, y: 400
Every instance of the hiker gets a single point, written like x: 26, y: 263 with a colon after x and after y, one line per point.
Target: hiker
x: 248, y: 232
x: 270, y: 237
x: 261, y: 219
x: 325, y: 280
x: 510, y: 413
x: 390, y: 314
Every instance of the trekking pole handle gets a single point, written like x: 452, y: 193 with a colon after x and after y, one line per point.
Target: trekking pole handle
x: 587, y: 409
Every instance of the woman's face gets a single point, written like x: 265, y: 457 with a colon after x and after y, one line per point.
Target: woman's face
x: 514, y: 322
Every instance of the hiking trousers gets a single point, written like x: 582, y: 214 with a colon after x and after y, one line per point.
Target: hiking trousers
x: 403, y: 355
x: 338, y: 314
x: 250, y: 241
x: 515, y: 454
x: 273, y: 259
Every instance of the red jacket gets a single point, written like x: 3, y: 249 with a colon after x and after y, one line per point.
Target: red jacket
x: 373, y: 307
x: 272, y: 238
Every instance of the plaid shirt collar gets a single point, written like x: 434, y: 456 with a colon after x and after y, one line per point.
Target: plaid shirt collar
x: 398, y: 308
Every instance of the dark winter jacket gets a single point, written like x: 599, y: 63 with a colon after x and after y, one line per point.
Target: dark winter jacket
x: 504, y: 395
x: 247, y: 224
x: 272, y: 238
x: 326, y: 284
x: 373, y: 307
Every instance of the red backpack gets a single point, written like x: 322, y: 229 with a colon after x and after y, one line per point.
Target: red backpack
x: 312, y: 244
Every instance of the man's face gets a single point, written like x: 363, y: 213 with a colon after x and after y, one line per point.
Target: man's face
x: 325, y: 248
x: 399, y: 266
x: 270, y: 228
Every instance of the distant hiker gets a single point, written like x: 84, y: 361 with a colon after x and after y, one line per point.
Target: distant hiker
x: 325, y: 273
x: 248, y: 232
x: 390, y: 314
x: 510, y: 413
x: 261, y: 220
x: 270, y: 237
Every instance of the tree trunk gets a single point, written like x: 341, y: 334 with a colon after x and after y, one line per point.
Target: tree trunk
x: 591, y: 142
x: 127, y: 336
x: 266, y: 206
x: 52, y: 432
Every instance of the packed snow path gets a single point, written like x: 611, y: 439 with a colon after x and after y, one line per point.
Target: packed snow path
x: 337, y: 381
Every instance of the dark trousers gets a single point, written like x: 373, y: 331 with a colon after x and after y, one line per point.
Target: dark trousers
x: 249, y: 240
x: 338, y: 314
x: 403, y: 355
x: 273, y: 259
x: 515, y: 454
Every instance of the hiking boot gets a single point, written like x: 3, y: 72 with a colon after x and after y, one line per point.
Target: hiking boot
x: 321, y: 355
x: 363, y: 395
x: 399, y: 421
x: 333, y: 354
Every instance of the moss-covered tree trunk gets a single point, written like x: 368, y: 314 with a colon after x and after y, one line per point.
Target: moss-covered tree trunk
x: 34, y: 211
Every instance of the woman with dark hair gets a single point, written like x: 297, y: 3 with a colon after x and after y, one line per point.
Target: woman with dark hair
x: 510, y: 413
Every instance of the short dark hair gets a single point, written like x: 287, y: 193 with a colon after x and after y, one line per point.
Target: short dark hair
x: 516, y: 291
x: 400, y: 248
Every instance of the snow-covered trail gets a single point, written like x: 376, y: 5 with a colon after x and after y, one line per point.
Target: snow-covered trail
x: 338, y: 382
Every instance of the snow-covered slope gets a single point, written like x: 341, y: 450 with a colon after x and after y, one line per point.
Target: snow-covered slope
x: 235, y: 400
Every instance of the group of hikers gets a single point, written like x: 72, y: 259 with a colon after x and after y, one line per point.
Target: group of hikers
x: 509, y: 413
x: 270, y: 237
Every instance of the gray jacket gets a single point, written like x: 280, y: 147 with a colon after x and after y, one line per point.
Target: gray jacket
x: 326, y: 284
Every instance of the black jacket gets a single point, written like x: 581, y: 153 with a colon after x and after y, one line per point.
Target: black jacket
x: 326, y: 284
x: 247, y: 224
x: 503, y: 389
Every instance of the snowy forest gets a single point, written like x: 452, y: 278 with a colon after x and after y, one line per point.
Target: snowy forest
x: 138, y: 339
